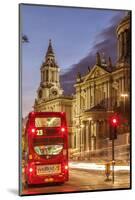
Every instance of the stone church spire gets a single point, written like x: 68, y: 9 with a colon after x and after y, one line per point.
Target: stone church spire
x: 50, y: 51
x: 50, y: 77
x: 50, y: 57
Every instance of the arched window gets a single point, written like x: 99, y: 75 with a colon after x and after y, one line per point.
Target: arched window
x: 47, y: 75
x: 40, y: 94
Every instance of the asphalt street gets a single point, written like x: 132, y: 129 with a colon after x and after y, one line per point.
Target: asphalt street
x: 83, y: 180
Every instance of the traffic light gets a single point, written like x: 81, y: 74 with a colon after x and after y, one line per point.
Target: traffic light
x: 114, y: 122
x: 113, y: 133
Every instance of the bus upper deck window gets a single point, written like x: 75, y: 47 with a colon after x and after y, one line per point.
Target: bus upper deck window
x: 48, y: 122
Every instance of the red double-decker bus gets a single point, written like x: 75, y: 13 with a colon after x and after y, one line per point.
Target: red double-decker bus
x: 46, y: 138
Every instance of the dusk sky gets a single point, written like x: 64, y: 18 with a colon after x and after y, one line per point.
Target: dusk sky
x: 76, y: 35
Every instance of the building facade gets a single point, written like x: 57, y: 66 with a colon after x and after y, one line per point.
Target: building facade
x: 103, y: 91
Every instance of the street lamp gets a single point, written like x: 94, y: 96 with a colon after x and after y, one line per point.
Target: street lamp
x: 124, y: 98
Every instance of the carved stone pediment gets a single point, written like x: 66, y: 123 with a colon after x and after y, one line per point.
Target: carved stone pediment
x: 96, y: 72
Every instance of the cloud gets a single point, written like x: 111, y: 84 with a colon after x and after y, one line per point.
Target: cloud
x: 107, y: 43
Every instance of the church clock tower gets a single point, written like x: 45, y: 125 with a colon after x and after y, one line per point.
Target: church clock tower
x: 50, y: 82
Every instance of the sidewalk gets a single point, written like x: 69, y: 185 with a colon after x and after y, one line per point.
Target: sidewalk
x: 98, y: 178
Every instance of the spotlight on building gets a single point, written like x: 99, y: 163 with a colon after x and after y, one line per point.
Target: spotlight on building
x: 124, y: 95
x: 90, y: 118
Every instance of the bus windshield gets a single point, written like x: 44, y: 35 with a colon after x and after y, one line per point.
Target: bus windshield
x: 47, y: 122
x: 48, y: 149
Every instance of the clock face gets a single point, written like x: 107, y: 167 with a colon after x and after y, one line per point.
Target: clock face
x: 54, y: 92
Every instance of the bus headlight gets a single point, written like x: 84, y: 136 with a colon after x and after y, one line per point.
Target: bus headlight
x: 66, y: 167
x: 30, y: 169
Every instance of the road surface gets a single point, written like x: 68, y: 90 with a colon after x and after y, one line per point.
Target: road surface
x: 84, y: 180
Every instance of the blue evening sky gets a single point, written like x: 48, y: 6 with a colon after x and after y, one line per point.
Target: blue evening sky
x: 73, y: 32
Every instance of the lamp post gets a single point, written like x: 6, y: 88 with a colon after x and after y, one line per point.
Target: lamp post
x: 124, y: 96
x: 114, y: 121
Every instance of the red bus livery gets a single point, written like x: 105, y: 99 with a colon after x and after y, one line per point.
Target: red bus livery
x: 46, y: 148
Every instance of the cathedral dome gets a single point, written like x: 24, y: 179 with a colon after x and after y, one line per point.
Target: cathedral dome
x: 124, y: 41
x: 124, y: 24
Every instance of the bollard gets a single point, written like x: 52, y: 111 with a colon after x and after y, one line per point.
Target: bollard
x: 107, y: 171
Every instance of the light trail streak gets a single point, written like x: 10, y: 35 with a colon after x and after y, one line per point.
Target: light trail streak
x: 94, y: 166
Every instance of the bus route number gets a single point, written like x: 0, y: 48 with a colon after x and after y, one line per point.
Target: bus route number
x: 39, y: 132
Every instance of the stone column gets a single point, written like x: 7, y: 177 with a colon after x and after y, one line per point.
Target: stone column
x: 83, y: 139
x: 120, y: 45
x: 93, y: 136
x: 90, y: 100
x: 97, y: 94
x: 77, y: 138
x: 94, y: 91
x: 79, y: 101
x: 49, y: 75
x: 97, y: 133
x: 74, y: 140
x: 87, y: 97
x: 87, y: 136
x: 122, y: 80
x: 119, y: 82
x: 107, y: 83
x: 125, y: 44
x: 92, y: 94
x: 128, y: 44
x: 57, y: 75
x: 54, y: 75
x: 102, y: 91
